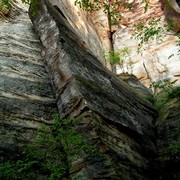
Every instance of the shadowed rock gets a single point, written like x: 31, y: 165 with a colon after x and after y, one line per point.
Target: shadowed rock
x: 114, y: 117
x: 172, y: 14
x: 168, y: 141
x: 26, y: 98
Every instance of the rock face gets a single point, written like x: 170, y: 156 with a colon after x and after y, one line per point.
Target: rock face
x: 26, y: 98
x: 154, y: 62
x: 135, y: 84
x: 77, y: 20
x: 115, y: 121
x: 168, y: 142
x: 172, y: 14
x: 114, y: 117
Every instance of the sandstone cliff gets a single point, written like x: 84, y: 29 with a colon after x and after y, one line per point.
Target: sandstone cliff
x: 123, y: 135
x: 26, y: 98
x: 154, y: 62
x: 84, y: 86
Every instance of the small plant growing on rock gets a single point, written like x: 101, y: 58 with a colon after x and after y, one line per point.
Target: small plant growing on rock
x: 33, y: 3
x: 152, y: 30
x: 50, y: 155
x: 164, y: 84
x: 175, y: 92
x: 123, y: 59
x: 44, y: 158
x: 52, y: 152
x: 149, y: 31
x: 112, y: 9
x: 170, y: 155
x: 163, y: 90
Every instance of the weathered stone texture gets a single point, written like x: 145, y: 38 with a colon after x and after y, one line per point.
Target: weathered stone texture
x: 119, y: 123
x: 84, y: 31
x: 172, y: 14
x: 116, y: 121
x: 168, y: 142
x: 136, y: 85
x: 26, y: 98
x: 158, y: 59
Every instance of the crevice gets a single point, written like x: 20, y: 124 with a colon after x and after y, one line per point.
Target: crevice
x: 57, y: 8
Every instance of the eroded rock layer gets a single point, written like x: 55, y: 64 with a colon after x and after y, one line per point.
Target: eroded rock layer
x: 153, y: 62
x: 26, y: 98
x: 168, y: 142
x: 113, y: 117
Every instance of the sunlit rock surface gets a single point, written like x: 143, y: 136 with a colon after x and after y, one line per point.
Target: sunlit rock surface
x: 116, y: 120
x: 82, y: 28
x: 26, y: 98
x: 113, y: 116
x: 154, y: 62
x: 158, y: 59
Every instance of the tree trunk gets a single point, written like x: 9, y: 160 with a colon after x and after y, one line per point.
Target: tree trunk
x: 110, y: 35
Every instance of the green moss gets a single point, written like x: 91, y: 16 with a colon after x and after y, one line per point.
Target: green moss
x: 52, y: 152
x: 160, y: 99
x: 125, y: 171
x: 44, y: 157
x: 175, y: 92
x: 164, y: 92
x: 169, y: 161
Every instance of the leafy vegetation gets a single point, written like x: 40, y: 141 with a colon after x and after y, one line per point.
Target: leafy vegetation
x: 43, y: 156
x: 166, y: 102
x: 174, y: 92
x: 7, y: 2
x: 162, y: 84
x: 164, y: 90
x: 122, y: 58
x: 152, y: 30
x: 33, y: 3
x: 49, y: 156
x: 149, y: 31
x: 170, y: 156
x: 112, y: 9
